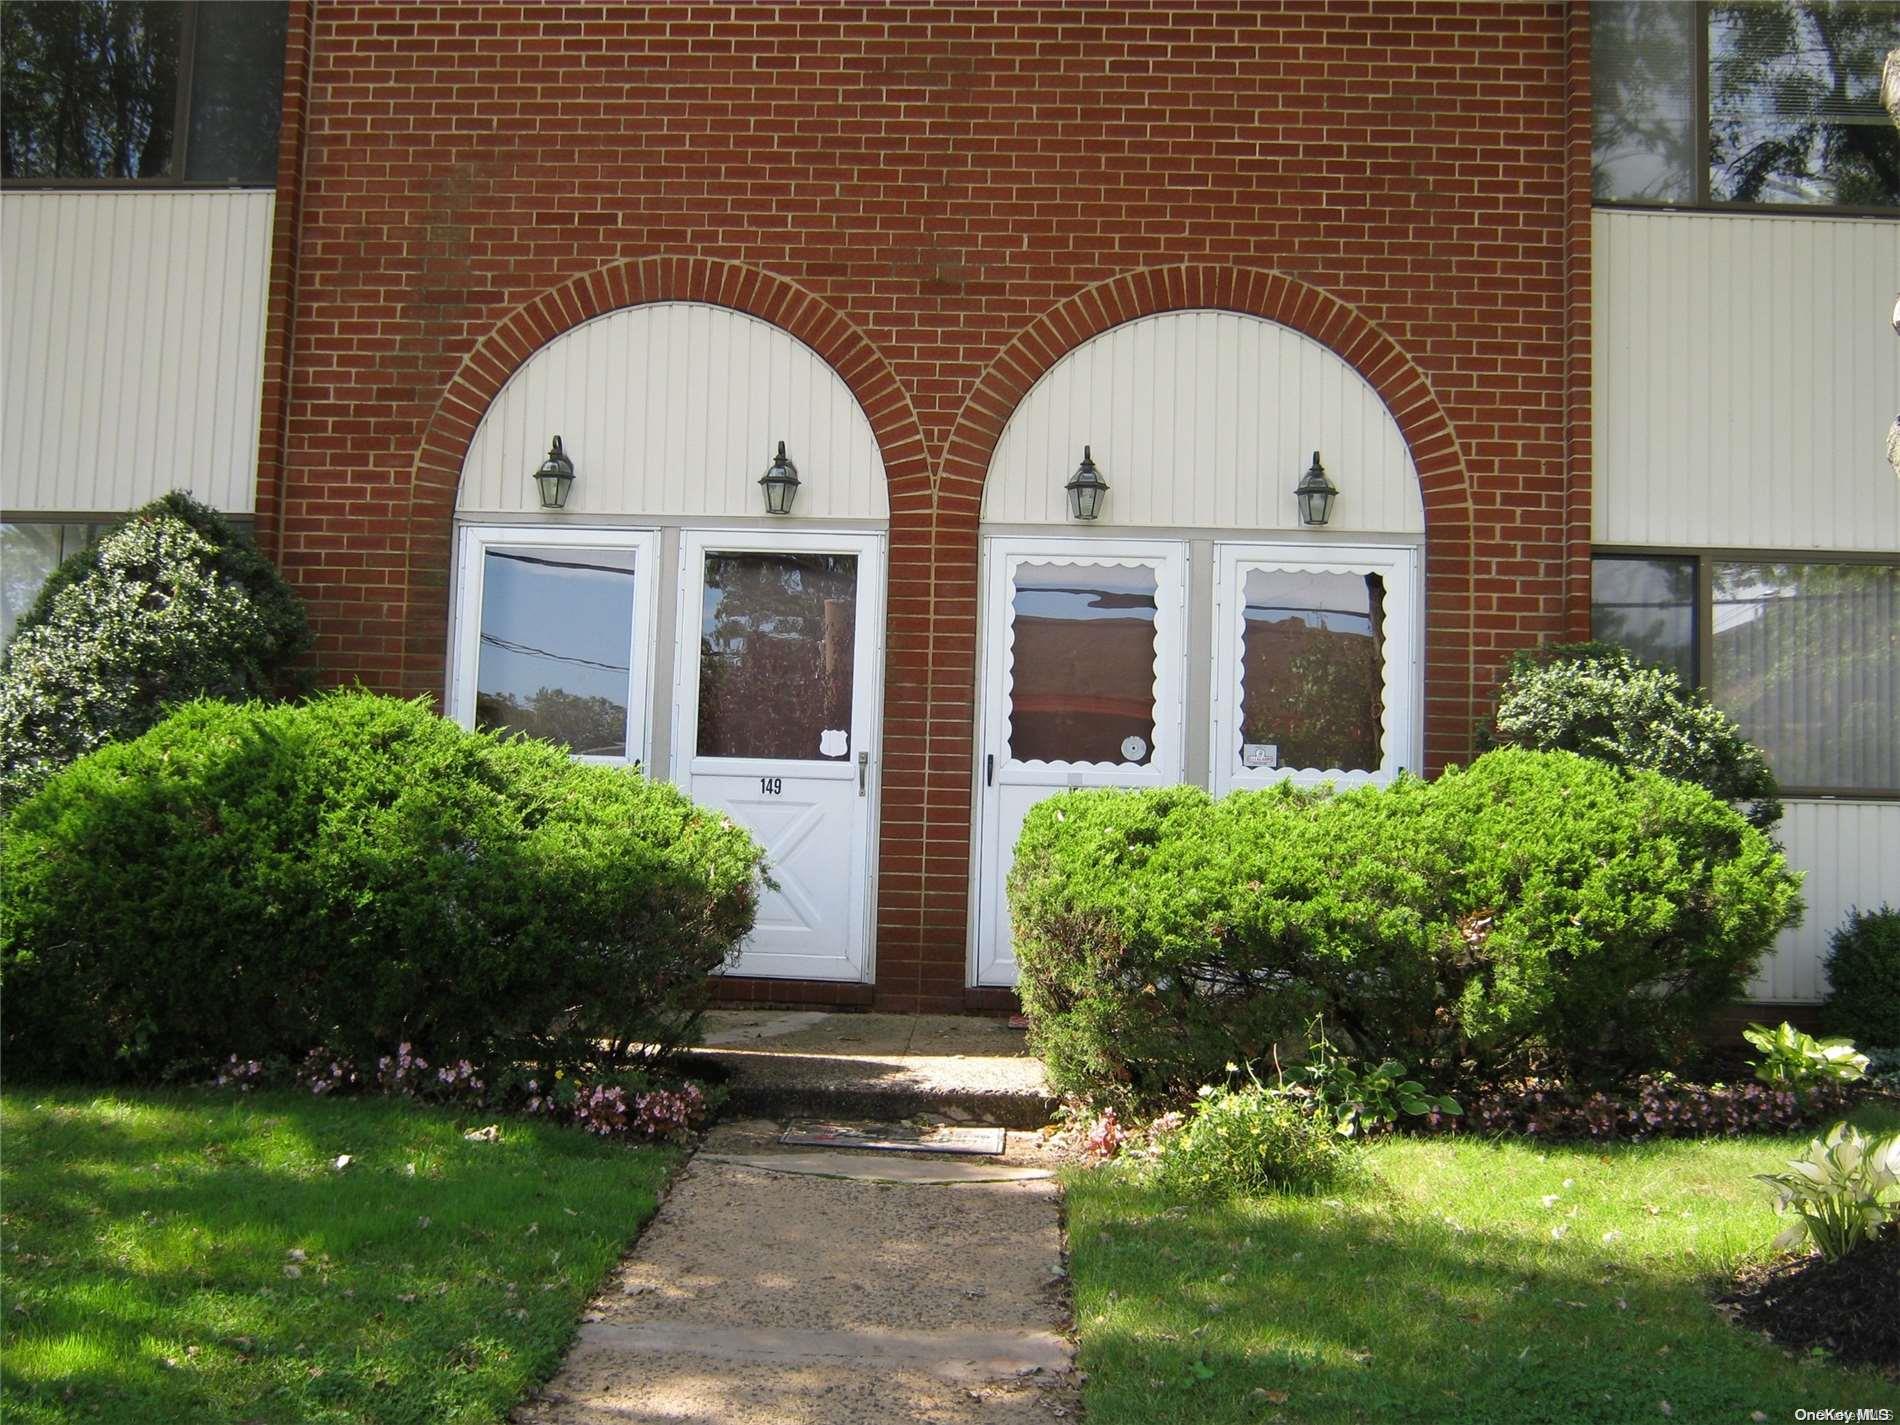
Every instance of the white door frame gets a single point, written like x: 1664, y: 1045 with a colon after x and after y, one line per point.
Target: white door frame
x: 1401, y: 569
x: 475, y: 540
x: 989, y: 960
x: 856, y: 961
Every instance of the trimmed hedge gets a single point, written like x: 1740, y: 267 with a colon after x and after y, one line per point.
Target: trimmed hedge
x: 174, y: 603
x: 355, y: 872
x: 1596, y: 699
x: 1538, y: 911
x: 1863, y: 975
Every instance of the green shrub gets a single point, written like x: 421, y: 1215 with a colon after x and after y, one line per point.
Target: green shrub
x: 1595, y: 699
x: 1863, y: 975
x: 172, y: 604
x: 1238, y: 1142
x: 1538, y: 911
x: 355, y: 872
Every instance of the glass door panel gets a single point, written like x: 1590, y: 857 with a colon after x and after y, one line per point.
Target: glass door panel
x: 554, y: 637
x: 777, y: 637
x: 1315, y: 665
x: 1082, y: 664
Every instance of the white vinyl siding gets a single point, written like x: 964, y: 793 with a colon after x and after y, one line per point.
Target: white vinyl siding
x: 132, y: 347
x: 1851, y: 853
x: 1204, y: 419
x: 674, y: 410
x: 1745, y: 376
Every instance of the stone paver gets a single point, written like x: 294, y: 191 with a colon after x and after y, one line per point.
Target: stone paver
x: 758, y: 1295
x: 877, y: 1066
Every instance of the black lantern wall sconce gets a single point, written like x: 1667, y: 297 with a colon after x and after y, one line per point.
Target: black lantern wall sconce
x: 1314, y: 494
x: 555, y: 477
x: 1086, y: 488
x: 780, y: 483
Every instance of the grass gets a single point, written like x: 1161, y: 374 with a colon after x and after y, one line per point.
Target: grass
x: 1448, y: 1289
x: 198, y: 1256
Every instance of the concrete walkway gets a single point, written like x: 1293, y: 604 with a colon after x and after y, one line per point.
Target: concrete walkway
x: 790, y: 1287
x: 786, y: 1063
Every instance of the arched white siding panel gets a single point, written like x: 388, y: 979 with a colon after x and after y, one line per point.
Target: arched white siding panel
x: 1851, y: 853
x: 675, y: 409
x: 1205, y: 419
x: 132, y: 337
x: 1745, y: 375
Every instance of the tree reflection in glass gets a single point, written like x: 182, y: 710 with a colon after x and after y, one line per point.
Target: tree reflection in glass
x: 777, y: 648
x: 1083, y: 664
x: 1648, y: 607
x: 557, y: 633
x: 1313, y: 660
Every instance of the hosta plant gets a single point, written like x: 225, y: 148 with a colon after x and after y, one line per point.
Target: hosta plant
x: 1357, y: 1098
x: 1844, y: 1191
x: 1793, y: 1060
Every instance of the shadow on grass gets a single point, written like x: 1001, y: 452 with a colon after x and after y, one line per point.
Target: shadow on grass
x: 207, y: 1260
x: 1365, y: 1308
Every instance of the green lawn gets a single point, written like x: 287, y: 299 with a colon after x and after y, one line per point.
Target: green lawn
x: 1447, y: 1290
x: 197, y: 1256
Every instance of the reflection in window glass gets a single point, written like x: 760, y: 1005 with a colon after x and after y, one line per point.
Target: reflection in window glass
x: 90, y: 88
x: 1313, y: 670
x: 1083, y: 664
x: 777, y: 653
x: 1648, y: 607
x: 1794, y: 104
x: 29, y: 553
x: 1806, y: 657
x: 557, y: 635
x: 1644, y: 112
x: 237, y: 83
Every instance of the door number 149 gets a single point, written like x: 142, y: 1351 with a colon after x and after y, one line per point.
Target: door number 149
x: 771, y: 786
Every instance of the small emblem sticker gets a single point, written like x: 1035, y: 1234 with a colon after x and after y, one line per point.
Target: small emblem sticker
x: 1133, y: 749
x: 833, y: 741
x: 1260, y: 754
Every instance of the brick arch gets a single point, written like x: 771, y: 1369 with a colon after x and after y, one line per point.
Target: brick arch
x: 437, y: 472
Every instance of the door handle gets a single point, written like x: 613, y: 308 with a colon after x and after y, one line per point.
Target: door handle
x: 989, y: 769
x: 864, y: 763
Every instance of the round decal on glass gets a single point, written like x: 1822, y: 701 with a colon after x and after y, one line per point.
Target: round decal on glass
x: 1133, y: 749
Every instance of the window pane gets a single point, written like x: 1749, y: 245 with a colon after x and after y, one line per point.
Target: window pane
x: 1648, y: 607
x: 237, y: 84
x: 1807, y: 660
x: 777, y: 655
x: 1642, y: 57
x: 557, y: 634
x: 1794, y: 104
x: 1082, y: 665
x: 1313, y: 674
x: 28, y: 554
x: 88, y: 89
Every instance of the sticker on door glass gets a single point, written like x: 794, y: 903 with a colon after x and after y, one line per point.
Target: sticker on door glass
x: 1260, y: 754
x: 832, y: 742
x: 1134, y: 749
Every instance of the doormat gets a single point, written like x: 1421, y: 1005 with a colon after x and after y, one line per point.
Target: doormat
x: 896, y: 1138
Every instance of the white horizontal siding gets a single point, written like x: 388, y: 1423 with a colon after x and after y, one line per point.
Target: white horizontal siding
x: 132, y: 347
x: 1745, y: 376
x: 1204, y: 419
x: 675, y: 409
x: 1851, y: 853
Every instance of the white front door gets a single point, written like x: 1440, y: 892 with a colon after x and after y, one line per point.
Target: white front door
x: 1082, y: 687
x: 775, y: 723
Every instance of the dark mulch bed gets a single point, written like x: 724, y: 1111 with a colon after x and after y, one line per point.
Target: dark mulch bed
x: 1851, y: 1308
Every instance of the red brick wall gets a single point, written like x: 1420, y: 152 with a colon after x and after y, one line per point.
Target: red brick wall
x: 941, y: 199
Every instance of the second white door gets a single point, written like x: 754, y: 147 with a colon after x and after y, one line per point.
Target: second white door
x: 775, y: 723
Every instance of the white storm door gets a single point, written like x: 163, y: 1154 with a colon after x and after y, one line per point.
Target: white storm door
x: 1316, y: 659
x: 554, y: 636
x: 775, y: 723
x: 1082, y: 687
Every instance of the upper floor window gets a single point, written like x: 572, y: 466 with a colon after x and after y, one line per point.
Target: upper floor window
x: 1766, y: 102
x: 141, y: 91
